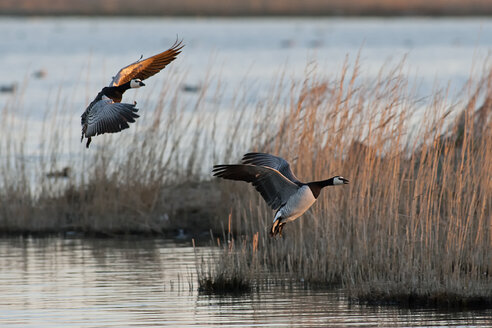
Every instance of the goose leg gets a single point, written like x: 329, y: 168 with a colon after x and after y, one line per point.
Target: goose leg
x: 280, y: 228
x: 277, y: 228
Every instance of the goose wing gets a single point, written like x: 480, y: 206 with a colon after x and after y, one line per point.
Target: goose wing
x: 277, y: 163
x: 106, y: 116
x: 275, y: 188
x: 143, y: 69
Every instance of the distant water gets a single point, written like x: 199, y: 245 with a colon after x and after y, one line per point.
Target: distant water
x: 76, y: 57
x: 80, y: 55
x: 56, y: 282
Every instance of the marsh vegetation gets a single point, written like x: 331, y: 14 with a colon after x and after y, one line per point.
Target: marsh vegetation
x: 413, y: 225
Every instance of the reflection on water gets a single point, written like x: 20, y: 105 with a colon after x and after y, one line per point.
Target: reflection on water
x: 53, y: 282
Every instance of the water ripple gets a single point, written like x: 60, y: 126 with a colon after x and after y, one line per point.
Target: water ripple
x: 53, y: 282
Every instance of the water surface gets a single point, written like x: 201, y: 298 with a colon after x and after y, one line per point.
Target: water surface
x: 60, y: 282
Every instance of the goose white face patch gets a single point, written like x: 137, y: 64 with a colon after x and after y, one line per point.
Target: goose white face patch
x: 135, y: 83
x: 338, y: 181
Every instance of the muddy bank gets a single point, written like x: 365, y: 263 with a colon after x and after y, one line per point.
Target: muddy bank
x: 185, y: 211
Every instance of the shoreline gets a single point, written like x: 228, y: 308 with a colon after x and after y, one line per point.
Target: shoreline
x: 222, y: 8
x: 396, y: 15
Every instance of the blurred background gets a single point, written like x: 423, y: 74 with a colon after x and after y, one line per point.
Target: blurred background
x: 247, y: 7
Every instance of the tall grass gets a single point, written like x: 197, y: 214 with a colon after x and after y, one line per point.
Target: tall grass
x: 413, y: 226
x: 148, y: 178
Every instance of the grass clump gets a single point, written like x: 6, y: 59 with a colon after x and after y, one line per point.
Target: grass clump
x: 224, y: 283
x: 422, y: 299
x: 233, y: 273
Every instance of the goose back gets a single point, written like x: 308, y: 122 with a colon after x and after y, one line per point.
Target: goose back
x: 275, y: 162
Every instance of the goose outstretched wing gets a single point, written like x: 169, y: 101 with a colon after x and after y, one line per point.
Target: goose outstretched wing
x: 107, y: 116
x: 275, y: 188
x: 275, y: 162
x: 143, y: 69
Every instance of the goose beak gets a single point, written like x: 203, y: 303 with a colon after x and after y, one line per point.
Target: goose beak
x: 142, y: 84
x: 345, y: 181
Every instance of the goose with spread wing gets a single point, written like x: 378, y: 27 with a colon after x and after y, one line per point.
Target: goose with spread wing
x: 274, y: 180
x: 106, y: 113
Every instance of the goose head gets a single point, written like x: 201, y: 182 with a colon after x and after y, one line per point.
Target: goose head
x: 338, y: 180
x: 136, y: 83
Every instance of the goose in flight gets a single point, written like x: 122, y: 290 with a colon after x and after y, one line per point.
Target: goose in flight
x: 274, y: 180
x: 106, y: 113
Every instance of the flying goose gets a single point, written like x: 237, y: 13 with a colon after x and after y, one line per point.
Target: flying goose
x: 106, y: 113
x: 274, y: 180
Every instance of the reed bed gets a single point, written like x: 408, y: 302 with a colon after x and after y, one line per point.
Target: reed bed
x: 413, y: 227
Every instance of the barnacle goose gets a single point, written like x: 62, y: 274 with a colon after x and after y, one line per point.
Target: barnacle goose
x: 274, y: 180
x: 106, y: 113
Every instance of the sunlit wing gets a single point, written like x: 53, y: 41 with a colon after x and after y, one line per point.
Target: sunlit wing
x: 143, y: 69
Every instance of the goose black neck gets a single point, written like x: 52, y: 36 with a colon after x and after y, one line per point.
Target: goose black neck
x: 116, y: 93
x: 316, y: 186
